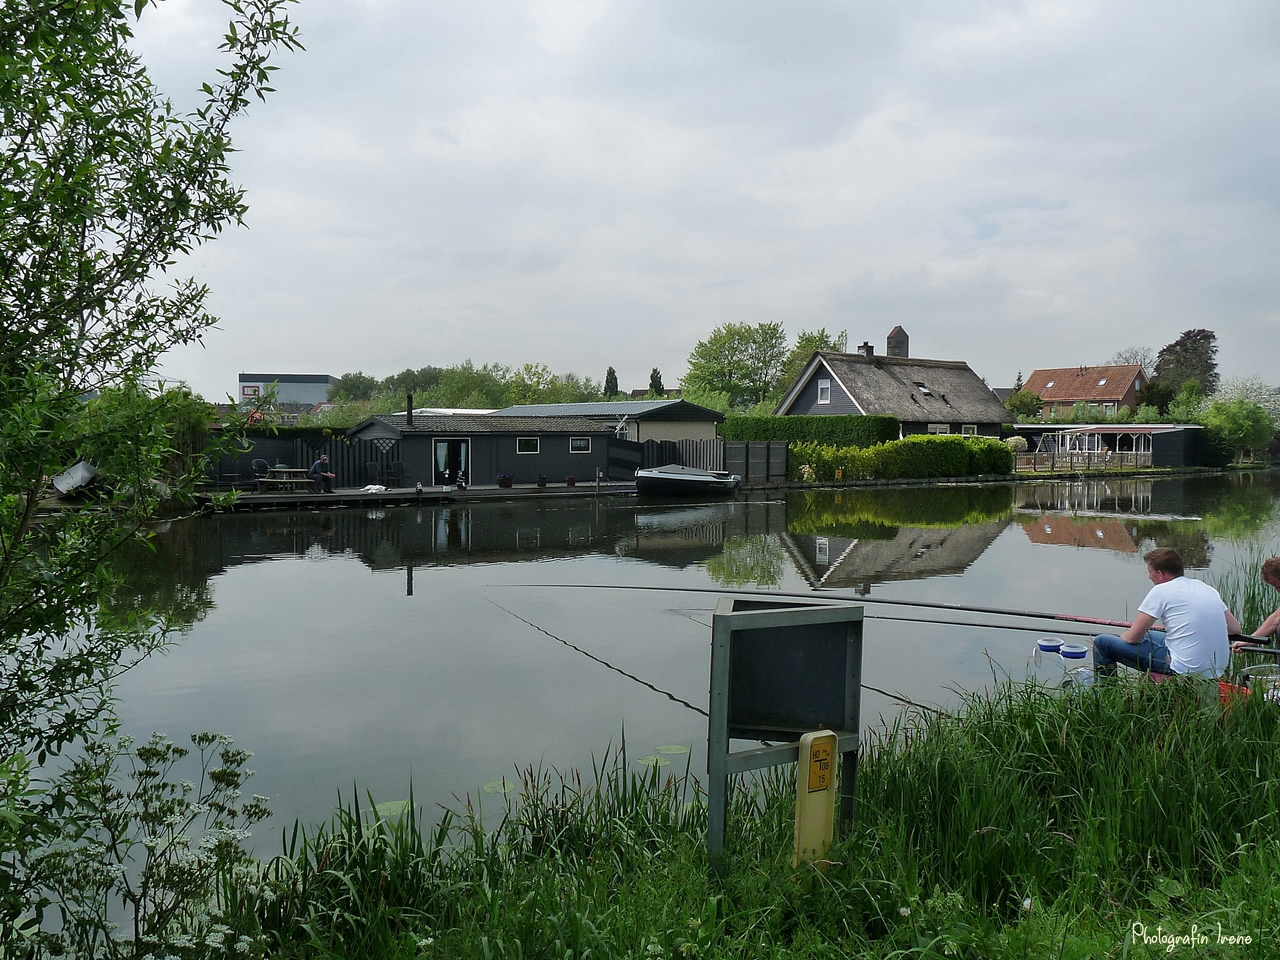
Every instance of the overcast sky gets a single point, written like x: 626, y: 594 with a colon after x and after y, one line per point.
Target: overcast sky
x: 584, y: 183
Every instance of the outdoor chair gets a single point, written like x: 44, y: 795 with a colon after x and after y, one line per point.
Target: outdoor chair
x: 373, y: 472
x: 396, y: 474
x: 260, y: 470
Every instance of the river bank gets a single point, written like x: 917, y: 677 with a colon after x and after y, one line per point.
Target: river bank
x: 1026, y: 824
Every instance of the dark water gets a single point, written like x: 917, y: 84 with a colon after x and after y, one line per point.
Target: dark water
x: 371, y: 648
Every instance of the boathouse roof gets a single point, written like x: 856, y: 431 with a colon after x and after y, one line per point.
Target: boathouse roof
x: 396, y: 425
x: 671, y: 409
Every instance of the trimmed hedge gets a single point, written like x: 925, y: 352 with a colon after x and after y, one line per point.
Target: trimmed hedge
x: 838, y: 431
x: 915, y: 457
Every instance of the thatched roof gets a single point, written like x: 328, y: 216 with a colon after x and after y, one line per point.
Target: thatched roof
x: 911, y: 389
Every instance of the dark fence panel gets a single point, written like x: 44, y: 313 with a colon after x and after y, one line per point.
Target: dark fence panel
x: 703, y: 454
x: 757, y: 462
x: 347, y: 461
x: 625, y: 458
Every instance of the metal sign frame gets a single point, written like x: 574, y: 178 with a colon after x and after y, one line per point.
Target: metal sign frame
x: 779, y: 669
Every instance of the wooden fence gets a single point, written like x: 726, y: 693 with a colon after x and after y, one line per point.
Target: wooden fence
x: 1050, y: 462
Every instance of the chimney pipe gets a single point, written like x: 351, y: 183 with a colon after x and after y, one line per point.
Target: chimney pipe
x: 408, y: 413
x: 866, y: 349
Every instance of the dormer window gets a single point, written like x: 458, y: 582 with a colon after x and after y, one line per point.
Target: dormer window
x: 922, y: 388
x: 824, y: 391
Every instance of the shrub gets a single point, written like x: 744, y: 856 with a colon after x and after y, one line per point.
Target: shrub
x: 1017, y: 444
x: 917, y: 456
x: 838, y: 431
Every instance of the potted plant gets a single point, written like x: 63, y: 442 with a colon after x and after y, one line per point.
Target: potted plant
x: 542, y: 481
x: 570, y: 480
x: 505, y: 480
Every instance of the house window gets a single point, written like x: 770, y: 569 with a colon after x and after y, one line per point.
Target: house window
x: 939, y: 428
x: 822, y: 550
x: 1108, y: 408
x: 622, y: 432
x: 526, y: 444
x: 579, y: 444
x: 824, y: 391
x: 1049, y: 384
x: 969, y: 429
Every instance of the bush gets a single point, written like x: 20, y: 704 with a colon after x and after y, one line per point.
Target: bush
x: 917, y: 456
x: 1017, y: 444
x: 837, y: 431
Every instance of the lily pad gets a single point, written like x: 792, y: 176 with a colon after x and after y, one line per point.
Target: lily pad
x: 500, y: 786
x: 391, y: 809
x: 672, y: 749
x: 653, y: 761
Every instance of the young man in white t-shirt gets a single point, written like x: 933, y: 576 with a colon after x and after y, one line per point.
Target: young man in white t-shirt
x: 1195, y: 626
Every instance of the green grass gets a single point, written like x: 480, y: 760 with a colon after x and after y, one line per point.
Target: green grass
x: 1027, y: 824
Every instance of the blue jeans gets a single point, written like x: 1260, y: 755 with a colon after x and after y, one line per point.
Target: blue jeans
x: 1150, y: 655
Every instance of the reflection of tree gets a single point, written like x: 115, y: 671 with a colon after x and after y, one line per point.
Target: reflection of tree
x: 1240, y: 514
x: 164, y: 576
x: 874, y: 514
x: 1188, y: 537
x: 758, y: 559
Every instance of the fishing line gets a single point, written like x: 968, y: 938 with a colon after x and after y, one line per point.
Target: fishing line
x: 824, y: 595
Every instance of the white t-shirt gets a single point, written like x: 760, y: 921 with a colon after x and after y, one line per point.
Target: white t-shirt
x: 1195, y: 627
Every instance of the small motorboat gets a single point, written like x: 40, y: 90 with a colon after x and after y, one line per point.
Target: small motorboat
x: 674, y: 480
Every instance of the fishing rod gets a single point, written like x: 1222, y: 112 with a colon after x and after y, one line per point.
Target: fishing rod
x: 957, y: 607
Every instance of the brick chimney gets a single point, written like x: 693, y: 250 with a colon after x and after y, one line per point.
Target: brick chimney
x: 408, y: 412
x: 866, y: 349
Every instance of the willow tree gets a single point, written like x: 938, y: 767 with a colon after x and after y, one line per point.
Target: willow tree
x: 103, y: 184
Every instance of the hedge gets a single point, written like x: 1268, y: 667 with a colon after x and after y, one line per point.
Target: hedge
x: 917, y: 456
x: 837, y: 431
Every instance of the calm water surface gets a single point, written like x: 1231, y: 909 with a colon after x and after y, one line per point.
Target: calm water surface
x: 378, y: 647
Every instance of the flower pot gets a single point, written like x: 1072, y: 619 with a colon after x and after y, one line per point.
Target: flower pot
x: 542, y: 481
x: 570, y: 481
x: 505, y: 480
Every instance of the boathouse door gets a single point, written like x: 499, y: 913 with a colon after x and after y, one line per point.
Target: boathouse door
x: 450, y: 457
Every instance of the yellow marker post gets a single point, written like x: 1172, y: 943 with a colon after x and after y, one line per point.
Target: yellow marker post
x: 815, y: 797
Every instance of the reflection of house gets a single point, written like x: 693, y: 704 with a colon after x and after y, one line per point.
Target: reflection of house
x: 1091, y: 533
x: 635, y: 420
x: 433, y: 449
x: 927, y: 396
x: 1105, y: 389
x: 913, y: 553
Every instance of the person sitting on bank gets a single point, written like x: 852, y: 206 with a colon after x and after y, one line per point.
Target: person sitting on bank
x: 1265, y: 634
x: 1195, y: 626
x: 319, y: 472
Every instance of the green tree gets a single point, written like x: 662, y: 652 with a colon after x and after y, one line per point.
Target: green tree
x: 1023, y: 403
x: 610, y: 383
x: 1156, y: 394
x: 656, y: 389
x: 1191, y: 357
x: 352, y: 386
x: 1242, y: 424
x: 809, y: 342
x: 744, y: 361
x: 102, y: 185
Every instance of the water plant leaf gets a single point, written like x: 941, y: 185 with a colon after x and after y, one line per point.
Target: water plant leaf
x: 653, y: 761
x: 500, y: 786
x: 672, y: 749
x: 391, y: 809
x: 1171, y: 888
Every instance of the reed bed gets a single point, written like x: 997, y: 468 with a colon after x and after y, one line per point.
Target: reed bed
x: 1029, y: 823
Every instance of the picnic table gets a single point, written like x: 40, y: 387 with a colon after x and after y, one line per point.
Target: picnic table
x: 285, y: 480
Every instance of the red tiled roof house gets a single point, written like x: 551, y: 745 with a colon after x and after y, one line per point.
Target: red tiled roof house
x: 1106, y: 388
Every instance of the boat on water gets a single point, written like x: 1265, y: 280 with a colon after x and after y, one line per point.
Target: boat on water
x: 674, y: 480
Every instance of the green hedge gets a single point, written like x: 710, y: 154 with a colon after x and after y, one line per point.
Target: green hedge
x: 915, y: 457
x: 838, y: 431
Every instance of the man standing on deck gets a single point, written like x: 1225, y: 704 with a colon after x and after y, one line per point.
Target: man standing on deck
x: 1195, y: 626
x: 1266, y: 632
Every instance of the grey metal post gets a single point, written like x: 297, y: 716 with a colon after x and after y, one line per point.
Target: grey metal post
x: 718, y: 740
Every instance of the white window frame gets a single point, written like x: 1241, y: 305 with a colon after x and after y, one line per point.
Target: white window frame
x: 822, y: 550
x: 968, y: 430
x: 940, y: 429
x: 537, y: 445
x: 824, y: 391
x: 1109, y: 408
x: 586, y: 440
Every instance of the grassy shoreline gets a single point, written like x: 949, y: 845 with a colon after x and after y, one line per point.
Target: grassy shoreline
x: 1026, y: 824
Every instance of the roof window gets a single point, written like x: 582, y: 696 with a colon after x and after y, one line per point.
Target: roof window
x: 922, y: 388
x: 1049, y: 384
x: 1102, y: 382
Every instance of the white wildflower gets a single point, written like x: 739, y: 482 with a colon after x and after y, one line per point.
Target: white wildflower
x: 904, y: 911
